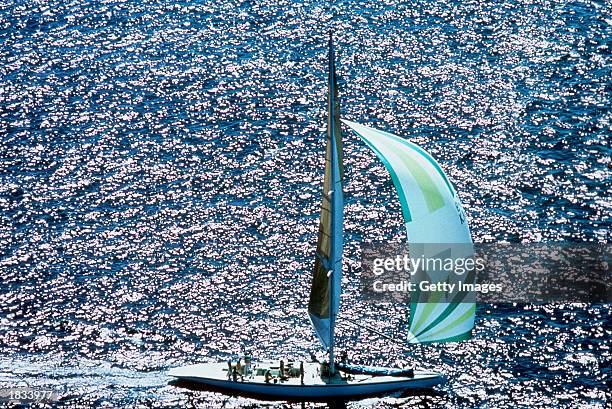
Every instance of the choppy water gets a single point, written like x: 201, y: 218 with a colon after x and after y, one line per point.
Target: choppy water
x: 160, y: 172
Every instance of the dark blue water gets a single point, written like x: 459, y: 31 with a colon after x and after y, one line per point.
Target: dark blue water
x: 161, y: 166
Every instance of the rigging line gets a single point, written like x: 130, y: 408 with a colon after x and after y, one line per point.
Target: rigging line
x: 397, y: 341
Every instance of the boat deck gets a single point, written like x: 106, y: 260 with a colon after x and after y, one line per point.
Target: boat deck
x: 314, y: 385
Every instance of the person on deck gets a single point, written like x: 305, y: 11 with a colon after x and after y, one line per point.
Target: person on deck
x: 282, y: 368
x: 247, y: 364
x: 240, y: 370
x: 324, y: 370
x: 268, y: 376
x: 239, y: 367
x: 302, y: 372
x: 229, y: 369
x: 344, y: 358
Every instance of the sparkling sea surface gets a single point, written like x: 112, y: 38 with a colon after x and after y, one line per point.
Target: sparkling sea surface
x: 161, y: 170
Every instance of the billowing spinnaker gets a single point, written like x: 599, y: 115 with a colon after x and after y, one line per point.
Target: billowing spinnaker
x: 327, y: 273
x: 436, y: 227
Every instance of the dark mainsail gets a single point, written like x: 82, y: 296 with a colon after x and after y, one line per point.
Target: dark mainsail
x: 327, y: 273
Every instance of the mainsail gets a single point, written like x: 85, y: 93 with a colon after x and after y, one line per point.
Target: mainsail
x: 325, y: 291
x: 436, y: 225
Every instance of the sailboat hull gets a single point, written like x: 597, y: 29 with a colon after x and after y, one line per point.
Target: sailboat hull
x: 314, y: 387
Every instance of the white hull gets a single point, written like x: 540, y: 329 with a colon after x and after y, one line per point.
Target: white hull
x: 314, y: 387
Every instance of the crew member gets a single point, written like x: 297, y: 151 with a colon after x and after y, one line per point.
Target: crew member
x: 247, y: 364
x: 302, y: 372
x: 239, y: 367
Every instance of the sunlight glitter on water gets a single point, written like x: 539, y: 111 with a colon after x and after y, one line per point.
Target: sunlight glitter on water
x: 161, y: 164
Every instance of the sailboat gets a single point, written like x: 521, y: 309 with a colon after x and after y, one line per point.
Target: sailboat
x: 432, y: 214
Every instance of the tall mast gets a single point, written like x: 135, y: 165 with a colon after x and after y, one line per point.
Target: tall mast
x: 337, y: 203
x: 327, y: 273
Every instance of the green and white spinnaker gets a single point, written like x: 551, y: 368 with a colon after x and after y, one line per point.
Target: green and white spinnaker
x: 436, y: 226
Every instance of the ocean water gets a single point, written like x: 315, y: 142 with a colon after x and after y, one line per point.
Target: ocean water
x: 161, y: 168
